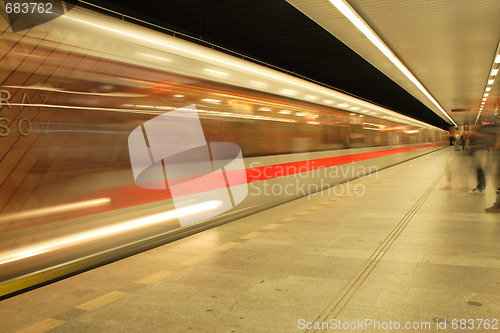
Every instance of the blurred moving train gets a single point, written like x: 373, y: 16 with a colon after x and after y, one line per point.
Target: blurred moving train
x: 73, y: 89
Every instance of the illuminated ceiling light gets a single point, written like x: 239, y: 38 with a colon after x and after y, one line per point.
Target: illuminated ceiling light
x: 265, y: 109
x: 154, y: 57
x: 497, y: 59
x: 310, y: 97
x: 287, y: 92
x: 358, y: 22
x: 343, y: 105
x: 211, y: 58
x: 215, y: 72
x: 488, y: 89
x: 259, y: 84
x: 300, y: 114
x: 355, y: 108
x: 209, y: 100
x: 494, y: 72
x: 484, y: 99
x: 327, y: 101
x: 361, y: 116
x: 486, y: 94
x: 179, y: 96
x: 285, y: 112
x: 491, y: 81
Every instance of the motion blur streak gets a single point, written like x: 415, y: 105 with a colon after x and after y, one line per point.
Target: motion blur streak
x: 43, y: 212
x: 74, y: 89
x: 210, y: 58
x: 112, y: 230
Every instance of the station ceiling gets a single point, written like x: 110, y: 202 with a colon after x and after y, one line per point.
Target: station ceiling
x: 449, y: 45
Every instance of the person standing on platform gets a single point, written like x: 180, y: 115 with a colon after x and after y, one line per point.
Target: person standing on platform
x: 496, y: 154
x: 481, y: 140
x: 457, y: 141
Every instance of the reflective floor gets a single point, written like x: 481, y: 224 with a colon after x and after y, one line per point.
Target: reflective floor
x: 394, y: 249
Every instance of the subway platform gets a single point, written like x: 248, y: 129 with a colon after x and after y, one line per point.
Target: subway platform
x: 392, y: 251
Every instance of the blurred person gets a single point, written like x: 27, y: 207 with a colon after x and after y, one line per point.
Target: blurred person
x: 462, y: 141
x: 457, y: 141
x: 496, y: 154
x: 481, y: 140
x: 448, y: 184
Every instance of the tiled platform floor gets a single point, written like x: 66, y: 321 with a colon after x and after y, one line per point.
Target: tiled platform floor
x: 400, y: 251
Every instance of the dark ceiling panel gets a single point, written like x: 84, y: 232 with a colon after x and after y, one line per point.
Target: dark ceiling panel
x: 277, y: 33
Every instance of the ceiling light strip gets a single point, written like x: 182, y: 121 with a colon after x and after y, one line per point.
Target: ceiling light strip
x: 490, y: 80
x: 359, y: 23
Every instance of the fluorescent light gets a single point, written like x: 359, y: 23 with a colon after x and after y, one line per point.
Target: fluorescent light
x: 358, y: 22
x: 484, y: 99
x: 259, y: 84
x: 285, y: 112
x: 494, y: 72
x: 179, y: 96
x: 327, y: 101
x: 311, y: 97
x: 265, y: 109
x: 491, y: 81
x: 215, y: 72
x: 486, y: 94
x: 154, y: 57
x: 343, y: 105
x: 288, y: 92
x: 300, y: 114
x: 355, y: 108
x: 488, y: 89
x: 209, y: 100
x: 235, y: 65
x: 497, y: 59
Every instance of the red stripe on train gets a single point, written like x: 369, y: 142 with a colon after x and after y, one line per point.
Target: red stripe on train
x: 133, y: 195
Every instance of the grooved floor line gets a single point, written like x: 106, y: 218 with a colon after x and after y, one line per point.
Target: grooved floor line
x: 347, y: 292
